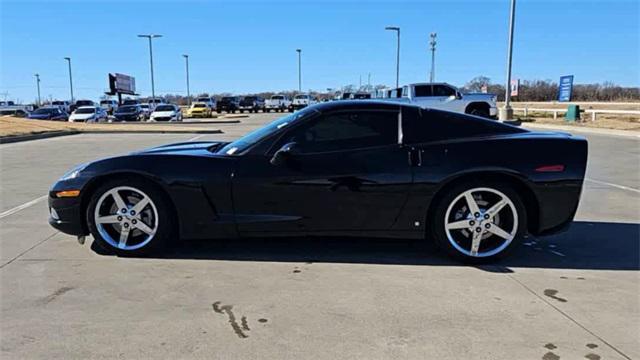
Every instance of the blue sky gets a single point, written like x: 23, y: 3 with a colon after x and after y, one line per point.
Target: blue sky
x: 243, y: 46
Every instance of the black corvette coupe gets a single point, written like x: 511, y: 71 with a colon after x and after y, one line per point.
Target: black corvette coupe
x: 361, y: 168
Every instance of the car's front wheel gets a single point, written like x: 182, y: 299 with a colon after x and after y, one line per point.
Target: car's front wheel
x: 479, y: 222
x: 130, y: 217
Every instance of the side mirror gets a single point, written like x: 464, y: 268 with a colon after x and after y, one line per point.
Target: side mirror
x: 458, y: 95
x: 283, y: 154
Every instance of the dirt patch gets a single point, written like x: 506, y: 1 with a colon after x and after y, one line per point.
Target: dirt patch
x: 13, y: 126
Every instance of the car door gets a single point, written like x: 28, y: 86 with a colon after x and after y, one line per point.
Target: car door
x: 348, y: 172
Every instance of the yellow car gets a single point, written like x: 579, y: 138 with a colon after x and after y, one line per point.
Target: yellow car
x: 201, y: 110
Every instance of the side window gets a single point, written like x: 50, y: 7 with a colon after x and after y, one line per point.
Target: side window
x: 442, y: 90
x: 423, y: 90
x: 347, y: 130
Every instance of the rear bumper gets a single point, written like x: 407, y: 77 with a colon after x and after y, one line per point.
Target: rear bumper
x: 558, y: 205
x: 299, y: 106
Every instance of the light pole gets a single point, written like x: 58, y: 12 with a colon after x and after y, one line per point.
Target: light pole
x: 506, y: 112
x: 299, y: 51
x: 186, y: 58
x: 151, y: 36
x: 70, y: 78
x: 38, y: 84
x: 432, y: 76
x: 397, y: 30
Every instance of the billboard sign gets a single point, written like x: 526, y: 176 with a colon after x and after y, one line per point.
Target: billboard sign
x: 565, y: 88
x: 121, y: 83
x: 515, y: 85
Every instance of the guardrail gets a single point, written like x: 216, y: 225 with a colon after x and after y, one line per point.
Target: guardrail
x: 593, y: 112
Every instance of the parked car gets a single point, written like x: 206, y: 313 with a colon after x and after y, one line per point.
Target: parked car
x: 210, y: 101
x: 109, y: 105
x: 88, y: 114
x: 63, y: 105
x: 146, y: 111
x: 80, y: 103
x: 16, y: 112
x: 301, y: 101
x: 7, y: 103
x: 394, y: 93
x: 129, y: 113
x: 49, y: 113
x: 251, y: 104
x: 278, y: 103
x: 166, y: 112
x: 130, y: 102
x: 229, y: 104
x: 447, y: 97
x: 199, y: 110
x: 403, y: 170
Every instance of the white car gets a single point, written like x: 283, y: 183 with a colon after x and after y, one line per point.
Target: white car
x: 443, y: 96
x: 278, y: 103
x: 301, y: 101
x: 166, y: 112
x: 88, y: 114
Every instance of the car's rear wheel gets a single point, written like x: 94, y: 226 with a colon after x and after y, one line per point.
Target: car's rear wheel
x: 130, y: 217
x: 479, y: 222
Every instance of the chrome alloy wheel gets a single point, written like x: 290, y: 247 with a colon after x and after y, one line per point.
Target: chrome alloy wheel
x: 481, y: 222
x: 126, y: 218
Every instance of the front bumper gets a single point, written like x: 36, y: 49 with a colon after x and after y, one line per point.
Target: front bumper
x: 299, y: 106
x: 65, y: 215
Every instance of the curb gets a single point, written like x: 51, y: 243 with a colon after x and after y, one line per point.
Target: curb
x: 45, y: 135
x: 597, y: 131
x: 21, y: 138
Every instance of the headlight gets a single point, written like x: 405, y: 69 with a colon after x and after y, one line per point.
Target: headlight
x: 73, y: 173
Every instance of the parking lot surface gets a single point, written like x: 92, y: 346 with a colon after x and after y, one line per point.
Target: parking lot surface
x: 569, y: 296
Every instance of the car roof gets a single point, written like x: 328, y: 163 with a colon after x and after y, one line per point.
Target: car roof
x: 360, y: 104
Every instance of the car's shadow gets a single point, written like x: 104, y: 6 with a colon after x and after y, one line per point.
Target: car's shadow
x: 587, y: 245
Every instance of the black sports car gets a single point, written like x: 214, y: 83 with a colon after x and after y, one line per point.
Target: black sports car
x: 363, y: 168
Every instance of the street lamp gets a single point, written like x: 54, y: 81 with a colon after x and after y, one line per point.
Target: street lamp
x: 151, y: 36
x: 299, y: 51
x: 186, y: 58
x: 38, y: 84
x: 70, y: 78
x: 397, y: 30
x: 506, y: 112
x: 433, y: 56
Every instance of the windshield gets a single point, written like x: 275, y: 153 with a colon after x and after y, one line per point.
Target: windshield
x: 105, y: 102
x: 144, y: 106
x: 126, y: 109
x: 57, y: 103
x: 84, y: 102
x: 255, y: 136
x: 301, y: 96
x: 228, y: 98
x: 85, y: 111
x: 277, y: 97
x: 164, y: 108
x: 199, y: 105
x: 203, y: 99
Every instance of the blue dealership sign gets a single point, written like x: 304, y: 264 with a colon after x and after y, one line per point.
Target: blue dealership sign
x: 565, y: 88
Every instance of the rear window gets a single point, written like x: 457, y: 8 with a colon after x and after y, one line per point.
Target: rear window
x: 165, y: 108
x: 84, y: 103
x: 277, y: 97
x: 420, y: 126
x: 204, y: 99
x: 86, y: 111
x: 302, y: 96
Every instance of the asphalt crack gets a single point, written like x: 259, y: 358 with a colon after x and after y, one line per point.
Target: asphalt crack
x: 228, y: 310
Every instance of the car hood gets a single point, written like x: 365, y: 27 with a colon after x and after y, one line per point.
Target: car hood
x: 163, y: 113
x: 81, y: 116
x: 191, y: 147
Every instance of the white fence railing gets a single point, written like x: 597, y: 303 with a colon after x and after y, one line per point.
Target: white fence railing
x: 593, y: 112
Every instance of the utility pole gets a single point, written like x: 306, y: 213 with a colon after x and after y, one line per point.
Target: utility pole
x: 397, y: 30
x: 70, y: 78
x: 369, y: 81
x: 299, y: 51
x: 506, y: 112
x: 150, y: 37
x: 432, y: 76
x: 38, y: 84
x: 186, y: 58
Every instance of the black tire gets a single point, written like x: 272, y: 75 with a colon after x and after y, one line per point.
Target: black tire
x: 437, y: 231
x: 219, y: 111
x: 166, y: 227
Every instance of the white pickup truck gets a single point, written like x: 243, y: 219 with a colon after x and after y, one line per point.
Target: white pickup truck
x: 302, y: 100
x: 278, y: 103
x: 444, y: 96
